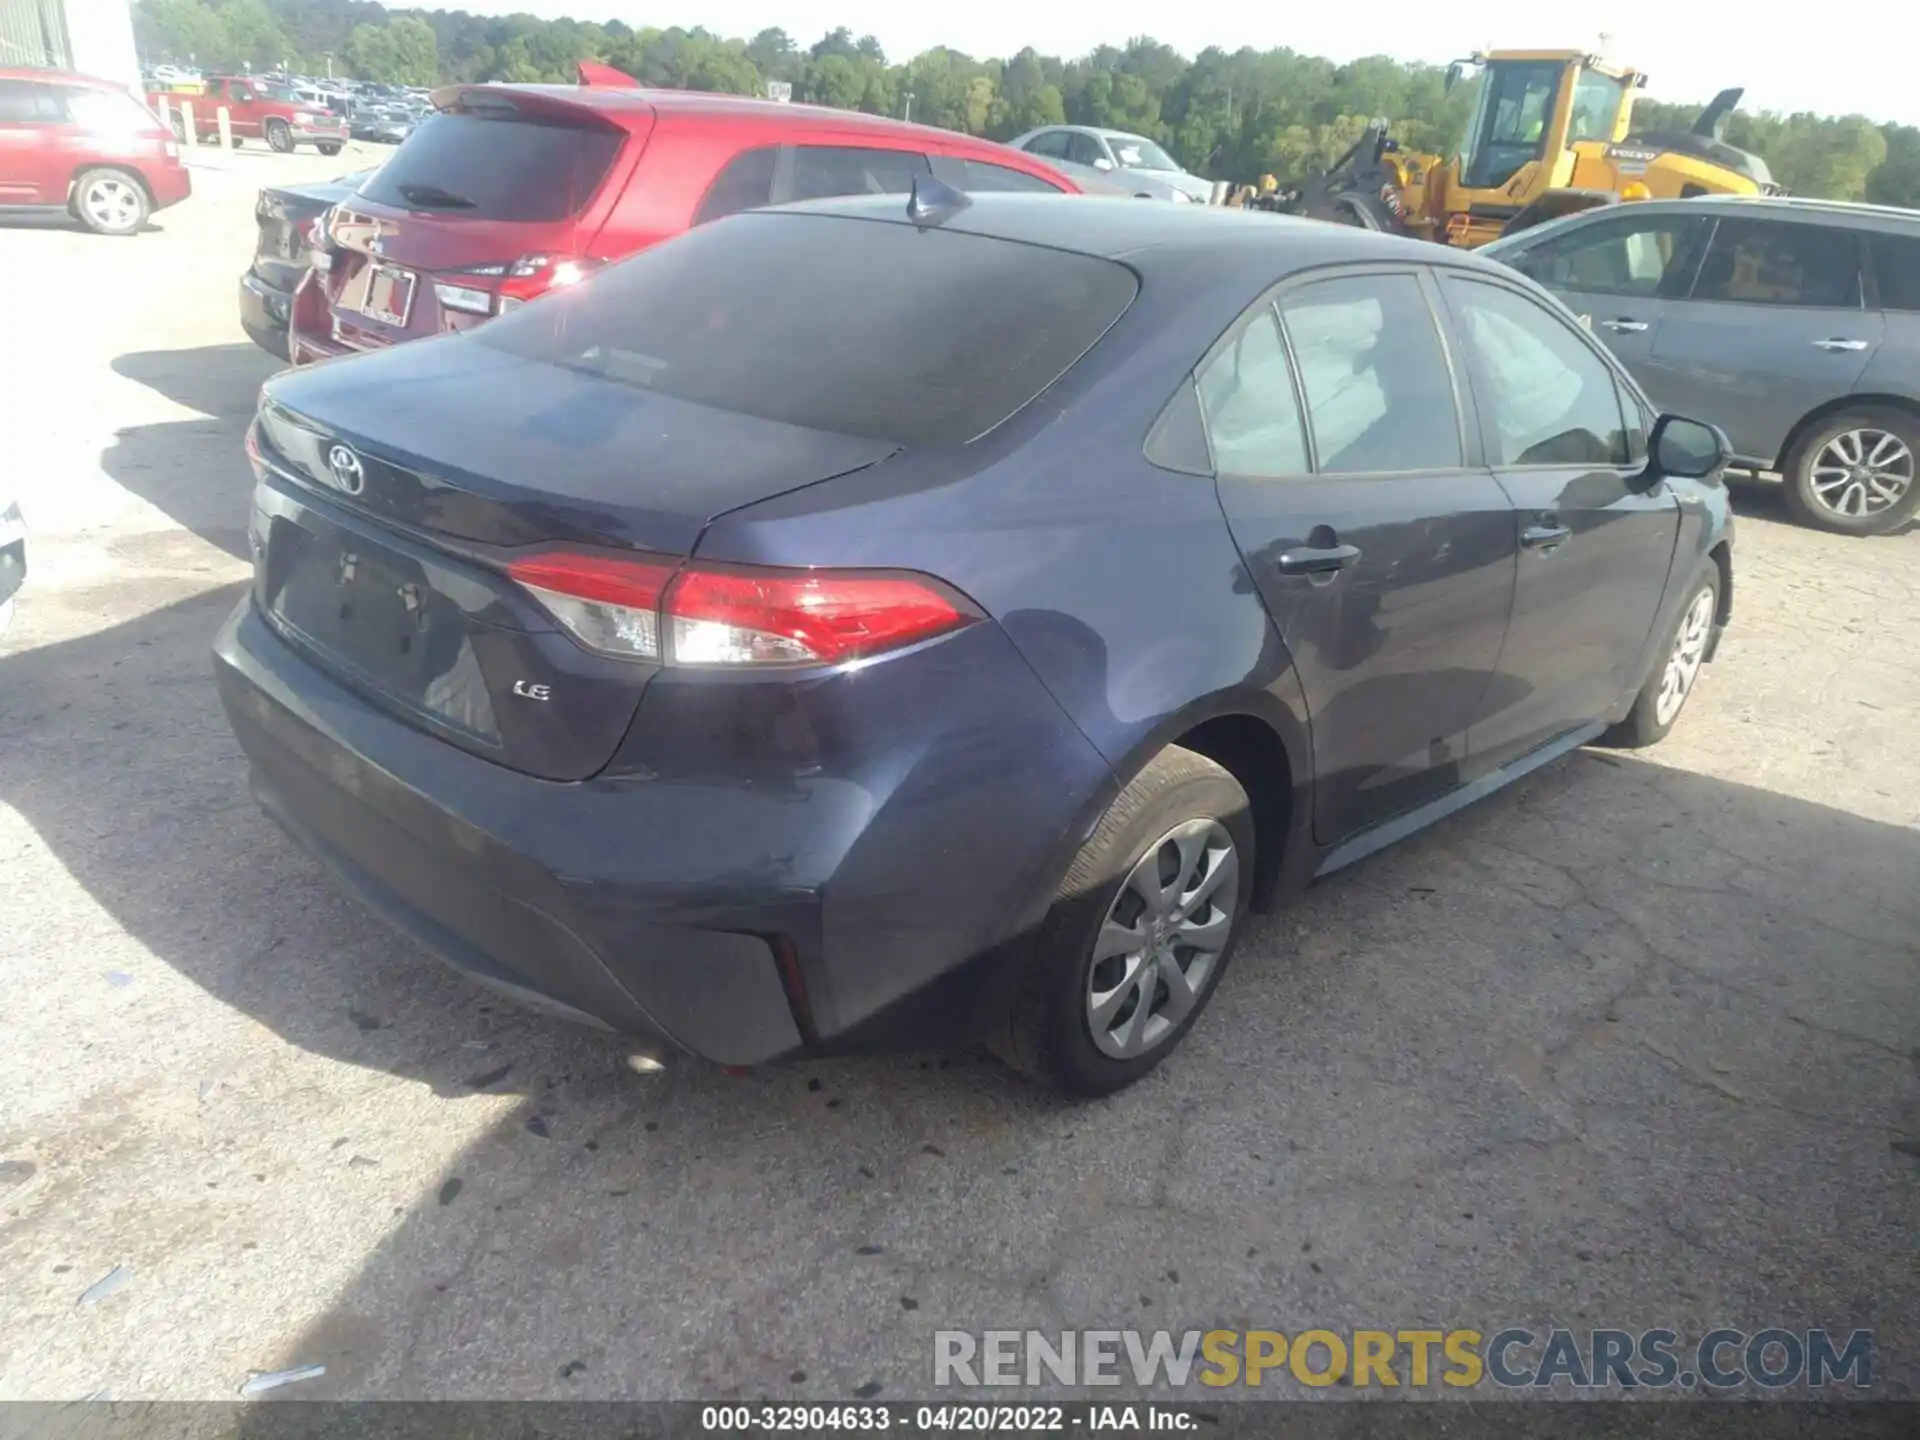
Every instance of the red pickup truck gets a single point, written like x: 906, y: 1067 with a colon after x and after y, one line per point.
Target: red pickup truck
x: 256, y: 110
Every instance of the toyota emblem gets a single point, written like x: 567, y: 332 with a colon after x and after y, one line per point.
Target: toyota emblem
x: 349, y: 476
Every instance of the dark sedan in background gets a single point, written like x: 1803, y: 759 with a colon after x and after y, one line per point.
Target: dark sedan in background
x: 287, y: 217
x: 865, y: 622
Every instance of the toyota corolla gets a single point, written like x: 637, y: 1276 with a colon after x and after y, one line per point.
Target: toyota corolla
x: 859, y: 623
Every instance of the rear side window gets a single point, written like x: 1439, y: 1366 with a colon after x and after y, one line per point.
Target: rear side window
x: 112, y: 112
x: 1772, y: 262
x: 1637, y: 255
x: 823, y: 172
x: 1051, y: 143
x: 1896, y: 266
x: 859, y: 327
x: 1379, y: 394
x: 496, y: 167
x: 983, y: 176
x: 1549, y: 399
x: 745, y: 184
x: 1246, y: 393
x: 22, y: 103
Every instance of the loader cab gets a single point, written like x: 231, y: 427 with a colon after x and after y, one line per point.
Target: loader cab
x: 1530, y: 106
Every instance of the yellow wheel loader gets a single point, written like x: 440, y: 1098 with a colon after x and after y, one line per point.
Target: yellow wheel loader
x: 1550, y: 133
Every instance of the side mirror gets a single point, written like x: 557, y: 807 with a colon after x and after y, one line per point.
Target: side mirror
x: 1686, y: 448
x: 1454, y: 72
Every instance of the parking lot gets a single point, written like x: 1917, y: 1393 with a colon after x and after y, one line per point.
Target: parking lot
x: 1636, y: 1043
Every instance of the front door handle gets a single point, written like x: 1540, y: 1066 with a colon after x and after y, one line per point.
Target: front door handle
x: 1544, y: 537
x: 1838, y: 344
x: 1633, y: 327
x: 1316, y: 559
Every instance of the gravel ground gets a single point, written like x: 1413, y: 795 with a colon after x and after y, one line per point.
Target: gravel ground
x: 1633, y: 1044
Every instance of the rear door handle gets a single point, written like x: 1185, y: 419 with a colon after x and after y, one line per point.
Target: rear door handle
x: 1544, y: 537
x: 1316, y: 559
x: 1631, y: 326
x: 1838, y: 344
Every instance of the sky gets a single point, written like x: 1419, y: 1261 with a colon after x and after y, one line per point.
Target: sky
x: 1690, y: 49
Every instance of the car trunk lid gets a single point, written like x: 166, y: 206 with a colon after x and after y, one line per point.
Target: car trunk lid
x: 387, y: 568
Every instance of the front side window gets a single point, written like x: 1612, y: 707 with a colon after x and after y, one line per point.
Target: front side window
x: 1777, y: 262
x: 1634, y: 255
x: 1896, y: 266
x: 1548, y: 399
x: 1379, y: 394
x: 983, y: 176
x: 825, y: 172
x: 1085, y: 150
x: 1246, y: 395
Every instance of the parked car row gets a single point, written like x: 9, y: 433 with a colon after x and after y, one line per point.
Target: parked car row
x: 256, y: 109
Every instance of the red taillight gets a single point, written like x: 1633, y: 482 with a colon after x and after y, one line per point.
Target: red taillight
x: 641, y: 608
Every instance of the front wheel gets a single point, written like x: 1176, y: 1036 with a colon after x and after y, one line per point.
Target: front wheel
x: 280, y: 136
x: 328, y: 147
x: 110, y: 202
x: 1855, y: 474
x: 1141, y: 930
x: 1664, y: 696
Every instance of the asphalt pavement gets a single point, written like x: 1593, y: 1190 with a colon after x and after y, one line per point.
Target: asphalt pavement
x: 1635, y: 1043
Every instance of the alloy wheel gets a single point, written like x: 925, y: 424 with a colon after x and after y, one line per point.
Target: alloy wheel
x: 1860, y: 473
x: 1689, y: 652
x: 112, y: 204
x: 1160, y: 946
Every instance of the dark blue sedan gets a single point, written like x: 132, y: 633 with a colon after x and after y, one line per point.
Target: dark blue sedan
x: 866, y: 623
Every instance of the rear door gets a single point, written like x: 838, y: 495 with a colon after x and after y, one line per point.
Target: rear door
x: 1774, y: 328
x: 32, y: 157
x: 1384, y: 554
x: 1619, y: 273
x: 1595, y: 541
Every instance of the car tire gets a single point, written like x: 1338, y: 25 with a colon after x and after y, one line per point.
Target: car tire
x: 1676, y: 669
x: 328, y: 147
x: 1840, y: 471
x: 1077, y: 1020
x: 280, y: 136
x: 110, y: 202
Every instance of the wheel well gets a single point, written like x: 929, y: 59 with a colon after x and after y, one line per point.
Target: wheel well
x: 1248, y: 749
x: 1813, y: 418
x: 1722, y: 557
x: 73, y: 180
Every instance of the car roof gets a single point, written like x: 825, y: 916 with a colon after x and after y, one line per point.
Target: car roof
x: 1147, y: 235
x: 616, y: 102
x: 57, y: 77
x: 1804, y: 205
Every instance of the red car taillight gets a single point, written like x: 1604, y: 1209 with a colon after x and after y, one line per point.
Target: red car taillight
x: 649, y: 608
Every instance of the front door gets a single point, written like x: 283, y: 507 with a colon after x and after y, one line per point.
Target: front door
x: 1384, y: 558
x: 1618, y: 274
x: 1595, y: 540
x: 1773, y: 330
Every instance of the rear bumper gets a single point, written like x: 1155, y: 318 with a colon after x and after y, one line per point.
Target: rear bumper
x: 169, y: 185
x: 264, y: 314
x: 737, y: 912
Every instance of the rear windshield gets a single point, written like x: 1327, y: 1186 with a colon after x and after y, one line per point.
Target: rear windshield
x: 487, y: 168
x: 855, y: 326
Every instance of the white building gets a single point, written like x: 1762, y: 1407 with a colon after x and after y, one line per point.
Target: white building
x: 94, y: 37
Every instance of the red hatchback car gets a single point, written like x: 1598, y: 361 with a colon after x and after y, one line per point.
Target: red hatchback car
x: 87, y: 147
x: 511, y: 190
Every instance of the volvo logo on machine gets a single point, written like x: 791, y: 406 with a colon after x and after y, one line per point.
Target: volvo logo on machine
x: 345, y: 470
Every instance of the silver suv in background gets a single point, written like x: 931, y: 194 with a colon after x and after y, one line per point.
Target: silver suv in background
x: 1793, y: 325
x: 1121, y: 156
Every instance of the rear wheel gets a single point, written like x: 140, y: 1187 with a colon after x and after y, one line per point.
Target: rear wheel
x: 1141, y: 930
x: 280, y: 136
x: 110, y: 202
x: 1856, y: 473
